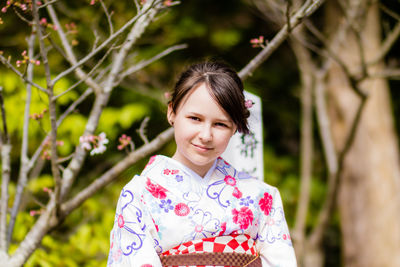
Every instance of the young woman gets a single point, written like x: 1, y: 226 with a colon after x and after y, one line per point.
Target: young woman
x: 194, y: 208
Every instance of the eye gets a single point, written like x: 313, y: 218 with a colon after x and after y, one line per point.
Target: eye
x: 194, y: 118
x: 222, y: 124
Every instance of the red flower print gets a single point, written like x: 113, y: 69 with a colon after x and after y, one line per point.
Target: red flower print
x: 181, y: 209
x: 155, y: 224
x: 151, y: 160
x: 243, y: 217
x: 166, y: 171
x: 121, y: 221
x: 223, y: 228
x: 266, y: 203
x: 156, y: 190
x: 236, y: 193
x: 229, y: 180
x: 146, y: 265
x: 174, y: 172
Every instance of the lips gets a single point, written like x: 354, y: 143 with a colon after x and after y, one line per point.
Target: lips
x: 202, y: 148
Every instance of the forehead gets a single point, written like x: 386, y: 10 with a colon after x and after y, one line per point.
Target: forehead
x: 200, y: 101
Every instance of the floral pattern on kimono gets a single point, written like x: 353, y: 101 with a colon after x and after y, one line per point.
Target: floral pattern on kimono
x: 169, y: 204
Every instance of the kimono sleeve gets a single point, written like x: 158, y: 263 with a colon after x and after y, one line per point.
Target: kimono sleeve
x: 273, y: 241
x: 133, y: 237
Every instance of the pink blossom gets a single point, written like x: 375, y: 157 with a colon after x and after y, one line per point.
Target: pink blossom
x: 265, y: 203
x: 124, y: 141
x: 248, y: 103
x: 229, y: 180
x: 18, y: 63
x: 37, y: 62
x: 23, y: 7
x: 243, y: 217
x: 43, y: 21
x: 47, y: 190
x: 167, y: 95
x: 32, y: 213
x: 156, y: 190
x: 38, y: 3
x: 92, y: 2
x: 257, y: 42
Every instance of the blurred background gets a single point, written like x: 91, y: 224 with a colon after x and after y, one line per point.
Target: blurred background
x: 363, y: 221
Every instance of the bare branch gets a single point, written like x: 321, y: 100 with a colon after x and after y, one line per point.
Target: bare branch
x: 107, y: 41
x: 393, y: 74
x: 387, y: 44
x: 306, y: 68
x: 306, y: 10
x: 101, y: 100
x: 352, y: 79
x: 142, y: 130
x: 48, y: 3
x: 147, y: 62
x: 24, y: 160
x: 5, y: 176
x: 52, y: 108
x: 335, y: 165
x: 10, y: 66
x: 68, y: 49
x: 108, y: 15
x: 115, y: 171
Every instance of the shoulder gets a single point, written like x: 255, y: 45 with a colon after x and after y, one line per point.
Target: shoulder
x: 226, y: 169
x: 150, y: 174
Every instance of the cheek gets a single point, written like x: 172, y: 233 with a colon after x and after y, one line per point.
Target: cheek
x: 223, y: 138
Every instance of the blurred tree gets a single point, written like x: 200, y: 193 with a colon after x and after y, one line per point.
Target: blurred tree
x: 343, y: 63
x: 75, y: 70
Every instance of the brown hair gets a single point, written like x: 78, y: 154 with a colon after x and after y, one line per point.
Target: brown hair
x: 224, y: 85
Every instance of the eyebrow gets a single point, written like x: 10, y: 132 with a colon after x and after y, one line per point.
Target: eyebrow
x: 200, y: 115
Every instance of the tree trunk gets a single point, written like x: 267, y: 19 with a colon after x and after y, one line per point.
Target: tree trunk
x: 369, y: 199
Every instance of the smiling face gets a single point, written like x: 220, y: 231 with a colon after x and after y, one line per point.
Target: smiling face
x: 202, y: 130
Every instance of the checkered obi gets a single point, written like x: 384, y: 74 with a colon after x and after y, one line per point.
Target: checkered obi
x: 235, y: 243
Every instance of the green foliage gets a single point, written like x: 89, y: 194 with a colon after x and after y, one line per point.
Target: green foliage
x: 225, y: 39
x: 114, y: 119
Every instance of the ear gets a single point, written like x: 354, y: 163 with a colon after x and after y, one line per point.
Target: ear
x: 170, y: 115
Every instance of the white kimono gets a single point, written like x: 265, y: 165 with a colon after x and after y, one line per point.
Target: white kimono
x: 169, y: 204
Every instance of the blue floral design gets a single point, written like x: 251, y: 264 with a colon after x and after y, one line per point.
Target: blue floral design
x: 204, y: 225
x: 133, y: 228
x: 166, y: 205
x: 246, y: 201
x: 179, y: 178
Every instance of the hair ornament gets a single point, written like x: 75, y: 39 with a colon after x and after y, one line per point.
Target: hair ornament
x: 248, y: 103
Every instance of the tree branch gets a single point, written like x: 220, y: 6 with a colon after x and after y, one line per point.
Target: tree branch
x: 52, y: 109
x: 306, y: 10
x: 306, y: 68
x: 148, y: 8
x: 147, y: 62
x: 137, y: 30
x: 70, y: 54
x: 24, y: 160
x: 25, y: 79
x: 115, y: 171
x: 5, y: 176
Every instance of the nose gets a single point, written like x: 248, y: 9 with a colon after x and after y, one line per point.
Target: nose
x: 205, y: 133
